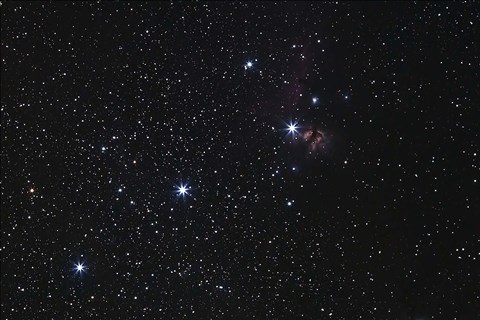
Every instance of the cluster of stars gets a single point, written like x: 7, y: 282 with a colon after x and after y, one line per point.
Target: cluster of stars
x: 158, y: 160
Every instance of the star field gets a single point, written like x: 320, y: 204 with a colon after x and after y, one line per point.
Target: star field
x: 240, y: 160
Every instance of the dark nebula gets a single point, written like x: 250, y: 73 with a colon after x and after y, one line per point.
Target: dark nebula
x: 314, y: 138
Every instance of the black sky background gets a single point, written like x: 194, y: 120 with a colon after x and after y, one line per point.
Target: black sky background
x: 382, y: 221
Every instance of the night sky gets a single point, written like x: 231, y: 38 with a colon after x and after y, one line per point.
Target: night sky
x: 257, y: 160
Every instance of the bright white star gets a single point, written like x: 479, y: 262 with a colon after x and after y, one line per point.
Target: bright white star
x: 182, y: 190
x: 292, y: 128
x: 79, y: 268
x: 314, y: 100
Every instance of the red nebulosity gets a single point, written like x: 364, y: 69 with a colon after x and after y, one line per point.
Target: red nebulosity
x: 314, y: 138
x: 291, y: 85
x: 302, y: 60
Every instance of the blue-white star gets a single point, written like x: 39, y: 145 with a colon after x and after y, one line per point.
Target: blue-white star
x: 182, y: 190
x: 292, y: 128
x: 248, y: 65
x: 79, y: 268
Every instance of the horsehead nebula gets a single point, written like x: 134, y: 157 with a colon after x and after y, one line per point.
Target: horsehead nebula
x: 314, y: 138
